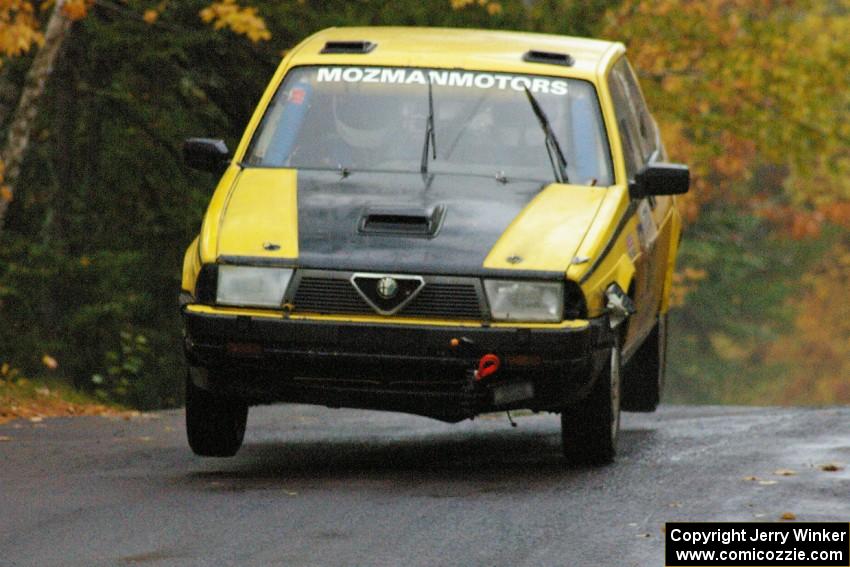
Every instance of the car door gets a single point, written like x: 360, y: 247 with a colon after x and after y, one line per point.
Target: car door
x: 641, y: 145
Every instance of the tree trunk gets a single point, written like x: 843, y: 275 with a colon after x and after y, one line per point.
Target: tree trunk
x: 23, y: 120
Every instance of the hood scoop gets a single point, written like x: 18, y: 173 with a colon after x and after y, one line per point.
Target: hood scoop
x: 425, y: 223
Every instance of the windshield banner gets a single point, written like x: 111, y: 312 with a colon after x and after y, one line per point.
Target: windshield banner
x: 466, y: 79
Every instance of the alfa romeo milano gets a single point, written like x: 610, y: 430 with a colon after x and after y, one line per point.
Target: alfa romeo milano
x: 439, y: 222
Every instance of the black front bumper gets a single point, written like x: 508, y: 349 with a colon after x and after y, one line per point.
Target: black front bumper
x: 420, y: 369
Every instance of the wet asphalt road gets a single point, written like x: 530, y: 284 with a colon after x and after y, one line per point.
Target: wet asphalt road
x: 321, y: 487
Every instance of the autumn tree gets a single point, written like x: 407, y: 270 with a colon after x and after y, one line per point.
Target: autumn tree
x: 19, y: 31
x: 753, y: 95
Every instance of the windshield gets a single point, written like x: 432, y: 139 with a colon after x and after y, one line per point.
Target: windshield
x: 379, y: 118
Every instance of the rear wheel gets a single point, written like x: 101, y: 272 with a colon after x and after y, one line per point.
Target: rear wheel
x: 589, y: 431
x: 643, y: 376
x: 215, y: 425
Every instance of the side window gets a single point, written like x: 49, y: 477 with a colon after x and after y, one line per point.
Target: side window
x: 646, y: 125
x: 627, y: 120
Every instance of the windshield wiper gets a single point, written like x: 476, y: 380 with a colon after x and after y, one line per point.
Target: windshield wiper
x: 556, y: 156
x: 430, y: 136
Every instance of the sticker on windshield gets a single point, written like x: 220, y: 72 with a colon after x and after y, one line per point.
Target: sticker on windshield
x: 296, y: 95
x: 465, y: 79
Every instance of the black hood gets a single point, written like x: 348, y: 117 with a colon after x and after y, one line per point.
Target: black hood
x: 422, y: 224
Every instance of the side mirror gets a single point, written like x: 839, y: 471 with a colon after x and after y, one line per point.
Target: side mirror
x: 206, y: 154
x: 660, y: 179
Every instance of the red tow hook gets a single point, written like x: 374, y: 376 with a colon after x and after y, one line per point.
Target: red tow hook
x: 487, y: 366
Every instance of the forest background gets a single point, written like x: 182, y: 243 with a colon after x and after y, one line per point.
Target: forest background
x: 753, y: 94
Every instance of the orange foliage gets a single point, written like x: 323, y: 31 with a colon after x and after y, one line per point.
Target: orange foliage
x: 796, y: 223
x: 837, y: 213
x: 492, y: 8
x: 740, y: 84
x: 685, y: 281
x: 821, y: 335
x: 150, y: 16
x: 76, y: 9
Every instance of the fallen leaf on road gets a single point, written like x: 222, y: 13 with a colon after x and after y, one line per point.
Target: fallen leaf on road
x: 784, y: 472
x: 788, y: 516
x: 768, y: 482
x: 146, y: 438
x: 36, y: 419
x: 290, y: 493
x: 644, y: 535
x: 5, y: 438
x: 830, y: 467
x: 751, y: 478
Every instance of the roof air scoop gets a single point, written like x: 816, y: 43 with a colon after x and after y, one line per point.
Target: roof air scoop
x: 550, y: 57
x: 348, y: 47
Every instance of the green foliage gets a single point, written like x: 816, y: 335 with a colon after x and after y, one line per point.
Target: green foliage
x: 90, y: 257
x: 721, y: 337
x: 91, y: 254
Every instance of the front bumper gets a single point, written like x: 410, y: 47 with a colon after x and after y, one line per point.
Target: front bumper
x: 412, y: 368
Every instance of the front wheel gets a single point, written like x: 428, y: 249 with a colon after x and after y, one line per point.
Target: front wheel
x: 589, y: 431
x: 215, y: 425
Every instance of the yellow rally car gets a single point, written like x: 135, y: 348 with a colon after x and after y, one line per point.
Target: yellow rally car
x: 440, y: 222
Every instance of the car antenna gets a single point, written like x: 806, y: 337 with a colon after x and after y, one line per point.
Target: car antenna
x: 430, y: 135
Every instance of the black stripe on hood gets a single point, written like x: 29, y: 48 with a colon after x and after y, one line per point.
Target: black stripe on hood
x: 476, y: 211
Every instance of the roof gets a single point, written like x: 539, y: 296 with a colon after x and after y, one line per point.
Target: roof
x: 486, y: 50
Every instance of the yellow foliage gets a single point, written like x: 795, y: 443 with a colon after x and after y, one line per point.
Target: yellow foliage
x: 493, y: 8
x: 243, y: 21
x: 738, y: 84
x: 684, y: 282
x: 729, y: 348
x: 18, y: 27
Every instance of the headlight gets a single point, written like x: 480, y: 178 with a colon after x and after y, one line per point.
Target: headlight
x: 257, y: 287
x: 525, y: 301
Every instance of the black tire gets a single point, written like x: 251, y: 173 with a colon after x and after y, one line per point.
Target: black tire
x: 215, y: 425
x: 589, y: 430
x: 643, y: 376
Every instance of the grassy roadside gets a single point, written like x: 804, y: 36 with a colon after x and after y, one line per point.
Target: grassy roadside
x: 22, y: 398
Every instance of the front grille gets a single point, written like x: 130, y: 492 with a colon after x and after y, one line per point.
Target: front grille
x: 445, y: 300
x: 319, y: 295
x: 438, y: 299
